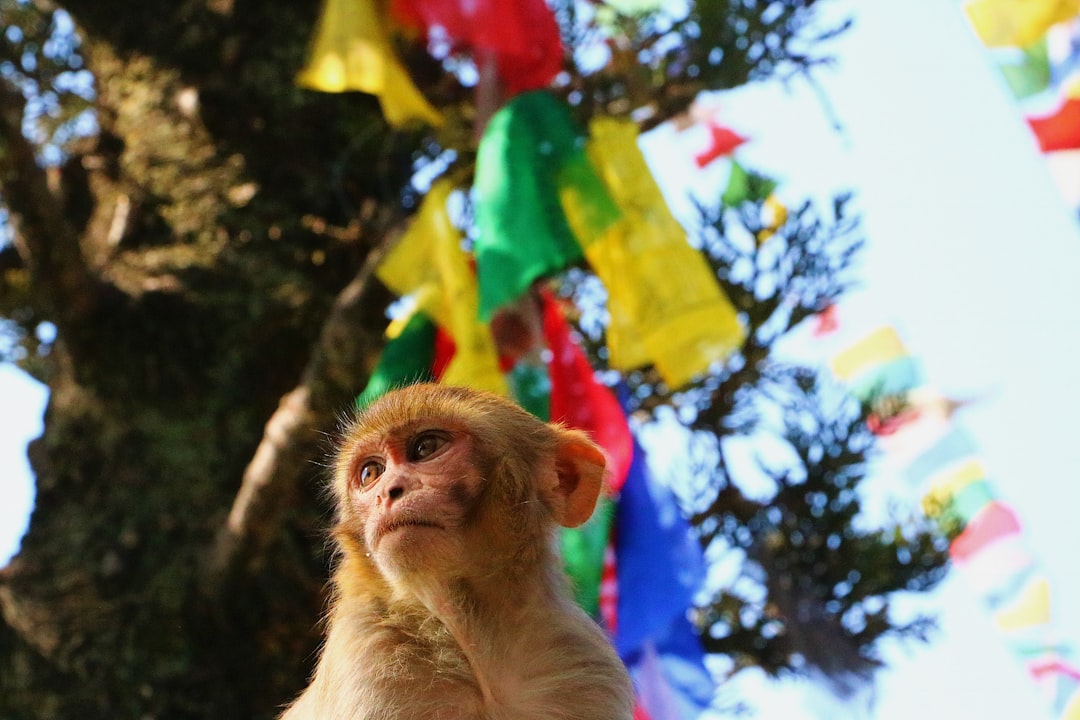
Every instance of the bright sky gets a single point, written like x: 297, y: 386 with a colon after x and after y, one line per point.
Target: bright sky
x: 971, y: 254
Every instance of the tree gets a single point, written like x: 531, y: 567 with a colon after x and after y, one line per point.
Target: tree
x: 813, y: 593
x: 189, y: 268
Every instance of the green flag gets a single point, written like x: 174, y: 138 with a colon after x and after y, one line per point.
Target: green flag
x: 536, y: 196
x: 406, y: 359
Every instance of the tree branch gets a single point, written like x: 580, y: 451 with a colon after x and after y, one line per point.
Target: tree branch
x: 60, y: 279
x: 285, y: 452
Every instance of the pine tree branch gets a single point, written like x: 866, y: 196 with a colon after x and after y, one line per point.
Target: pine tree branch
x: 61, y: 281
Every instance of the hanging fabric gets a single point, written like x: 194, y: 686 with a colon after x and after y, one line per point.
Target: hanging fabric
x: 1017, y: 23
x: 430, y: 265
x: 522, y: 36
x: 531, y: 173
x: 351, y: 51
x: 941, y: 461
x: 406, y: 359
x: 722, y: 142
x: 665, y: 303
x: 1036, y: 46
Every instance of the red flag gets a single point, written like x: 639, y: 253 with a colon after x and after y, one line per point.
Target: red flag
x: 828, y: 322
x: 994, y: 522
x: 1061, y: 129
x: 522, y: 35
x: 578, y: 400
x: 445, y: 348
x: 722, y: 141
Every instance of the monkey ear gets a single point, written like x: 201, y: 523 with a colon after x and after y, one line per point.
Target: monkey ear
x: 579, y: 467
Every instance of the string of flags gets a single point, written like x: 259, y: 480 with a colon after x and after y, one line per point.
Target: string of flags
x: 941, y: 462
x: 1036, y: 46
x: 547, y: 195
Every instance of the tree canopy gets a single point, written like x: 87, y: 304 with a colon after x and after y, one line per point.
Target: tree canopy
x: 188, y: 252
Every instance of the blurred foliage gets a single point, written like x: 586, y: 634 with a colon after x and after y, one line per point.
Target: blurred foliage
x: 777, y: 454
x: 39, y: 54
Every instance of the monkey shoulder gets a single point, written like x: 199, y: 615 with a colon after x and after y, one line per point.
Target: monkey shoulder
x: 389, y: 663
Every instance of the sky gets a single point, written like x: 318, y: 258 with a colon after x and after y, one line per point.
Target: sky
x: 971, y: 254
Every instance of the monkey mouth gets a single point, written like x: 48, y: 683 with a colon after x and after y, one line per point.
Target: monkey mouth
x: 392, y: 525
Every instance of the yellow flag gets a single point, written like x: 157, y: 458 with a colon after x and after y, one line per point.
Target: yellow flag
x: 774, y: 215
x: 1017, y: 23
x: 430, y: 265
x: 1072, y: 707
x: 666, y: 305
x: 1031, y: 608
x: 351, y: 51
x: 877, y: 348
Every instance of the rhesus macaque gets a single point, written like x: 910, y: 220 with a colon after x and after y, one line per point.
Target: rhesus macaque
x: 450, y: 601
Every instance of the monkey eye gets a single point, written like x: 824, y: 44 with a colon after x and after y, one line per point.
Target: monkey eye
x: 370, y: 471
x: 426, y: 444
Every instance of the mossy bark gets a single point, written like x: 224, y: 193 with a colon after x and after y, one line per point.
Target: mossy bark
x: 210, y: 227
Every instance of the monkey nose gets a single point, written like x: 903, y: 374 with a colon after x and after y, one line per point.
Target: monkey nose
x: 394, y: 489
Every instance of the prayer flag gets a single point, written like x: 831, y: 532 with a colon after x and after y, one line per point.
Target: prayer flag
x: 995, y: 522
x: 1017, y: 23
x: 665, y: 304
x: 877, y: 348
x: 660, y: 567
x: 1027, y: 70
x: 744, y: 186
x: 1031, y: 608
x: 671, y: 683
x: 522, y: 35
x: 530, y: 165
x: 989, y: 547
x: 430, y: 264
x: 722, y: 141
x: 580, y: 401
x: 1060, y: 130
x: 351, y: 51
x: 660, y: 562
x: 406, y: 359
x: 583, y: 550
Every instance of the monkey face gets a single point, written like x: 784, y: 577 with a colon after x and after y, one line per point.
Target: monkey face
x: 447, y: 482
x: 413, y: 491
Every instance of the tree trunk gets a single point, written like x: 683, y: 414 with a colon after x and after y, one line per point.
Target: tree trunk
x: 206, y: 260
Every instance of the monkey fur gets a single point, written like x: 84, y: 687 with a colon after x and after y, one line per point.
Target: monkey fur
x: 449, y: 601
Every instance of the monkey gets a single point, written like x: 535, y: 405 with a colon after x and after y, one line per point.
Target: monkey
x: 449, y: 601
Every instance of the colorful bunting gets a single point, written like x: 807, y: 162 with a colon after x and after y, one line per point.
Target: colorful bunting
x: 522, y: 36
x: 869, y: 358
x: 995, y: 522
x: 722, y: 142
x: 1017, y: 23
x: 774, y: 216
x: 542, y: 203
x: 580, y: 401
x: 583, y: 551
x: 351, y: 51
x: 406, y: 359
x: 530, y: 166
x: 1027, y: 70
x: 745, y: 187
x: 988, y: 544
x: 1061, y: 129
x: 429, y: 264
x: 660, y: 567
x: 657, y: 556
x: 827, y: 322
x: 681, y: 327
x: 1036, y: 45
